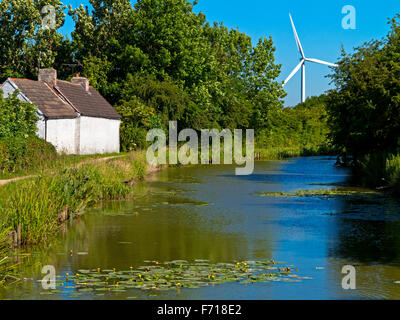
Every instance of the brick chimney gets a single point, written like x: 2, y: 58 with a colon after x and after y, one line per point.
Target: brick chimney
x: 48, y: 76
x: 82, y: 81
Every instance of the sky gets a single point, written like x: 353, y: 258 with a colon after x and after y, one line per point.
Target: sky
x: 318, y: 24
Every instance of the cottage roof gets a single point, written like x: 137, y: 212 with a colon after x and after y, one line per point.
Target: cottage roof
x: 88, y: 103
x: 66, y: 100
x: 48, y: 102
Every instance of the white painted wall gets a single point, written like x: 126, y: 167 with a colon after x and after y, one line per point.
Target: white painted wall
x: 41, y: 125
x: 98, y: 135
x: 61, y: 134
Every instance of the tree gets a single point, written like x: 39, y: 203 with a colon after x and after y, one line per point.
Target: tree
x: 262, y: 87
x: 223, y: 80
x: 303, y: 126
x: 364, y: 107
x: 17, y: 118
x: 24, y: 44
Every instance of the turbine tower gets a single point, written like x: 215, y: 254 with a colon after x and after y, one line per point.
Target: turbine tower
x: 302, y: 64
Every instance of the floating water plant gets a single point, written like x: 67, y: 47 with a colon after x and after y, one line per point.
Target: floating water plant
x: 321, y: 193
x: 175, y: 275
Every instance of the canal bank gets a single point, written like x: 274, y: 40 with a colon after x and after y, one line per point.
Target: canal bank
x: 33, y: 208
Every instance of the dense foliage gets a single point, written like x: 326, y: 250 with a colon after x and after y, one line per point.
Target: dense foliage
x: 364, y: 109
x: 365, y: 106
x: 17, y: 118
x: 20, y: 149
x: 182, y: 68
x: 20, y: 154
x: 24, y: 44
x: 305, y: 126
x: 158, y: 60
x: 162, y: 57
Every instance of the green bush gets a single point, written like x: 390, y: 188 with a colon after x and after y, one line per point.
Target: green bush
x: 18, y: 154
x: 393, y: 171
x: 301, y: 130
x: 379, y: 170
x: 133, y: 138
x: 17, y: 118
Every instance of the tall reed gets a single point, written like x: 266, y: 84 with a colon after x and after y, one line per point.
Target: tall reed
x: 31, y: 211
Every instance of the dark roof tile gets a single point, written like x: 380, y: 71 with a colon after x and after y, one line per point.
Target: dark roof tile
x: 45, y: 99
x: 90, y: 104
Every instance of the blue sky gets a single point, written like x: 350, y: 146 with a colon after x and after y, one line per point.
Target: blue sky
x: 318, y: 23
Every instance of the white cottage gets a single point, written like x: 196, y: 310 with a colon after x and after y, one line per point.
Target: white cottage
x: 74, y: 117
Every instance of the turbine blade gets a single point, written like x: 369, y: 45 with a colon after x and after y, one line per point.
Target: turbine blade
x: 297, y: 37
x: 294, y: 72
x: 322, y: 62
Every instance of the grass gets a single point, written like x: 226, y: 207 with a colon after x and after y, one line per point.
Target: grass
x: 282, y: 153
x: 270, y: 153
x: 277, y: 153
x: 61, y: 161
x: 380, y: 171
x: 5, y: 266
x: 32, y: 210
x: 392, y: 172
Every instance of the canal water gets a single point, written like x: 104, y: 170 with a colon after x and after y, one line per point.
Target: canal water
x: 206, y: 212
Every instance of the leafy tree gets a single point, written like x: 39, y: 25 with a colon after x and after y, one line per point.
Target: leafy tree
x: 304, y: 126
x: 137, y: 119
x: 24, y: 44
x: 222, y: 80
x: 364, y: 108
x: 267, y: 93
x: 157, y: 57
x: 17, y: 118
x: 166, y: 99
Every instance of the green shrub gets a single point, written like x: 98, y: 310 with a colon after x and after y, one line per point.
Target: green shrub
x: 133, y: 138
x: 17, y: 118
x: 21, y: 154
x: 393, y: 171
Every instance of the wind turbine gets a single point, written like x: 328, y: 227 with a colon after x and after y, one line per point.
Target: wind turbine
x: 302, y: 64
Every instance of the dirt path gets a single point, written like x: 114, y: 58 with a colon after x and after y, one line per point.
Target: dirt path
x: 6, y: 181
x: 100, y: 159
x: 3, y: 182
